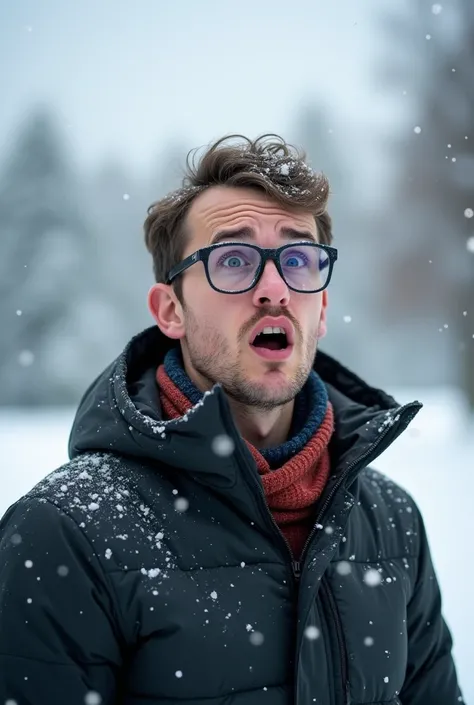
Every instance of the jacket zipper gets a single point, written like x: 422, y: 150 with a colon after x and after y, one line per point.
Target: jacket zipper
x: 341, y: 642
x: 297, y: 566
x: 318, y: 526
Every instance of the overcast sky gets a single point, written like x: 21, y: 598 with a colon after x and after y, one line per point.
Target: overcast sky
x: 130, y: 78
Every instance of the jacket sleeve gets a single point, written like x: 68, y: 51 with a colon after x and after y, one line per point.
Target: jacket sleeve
x: 431, y: 674
x: 58, y: 641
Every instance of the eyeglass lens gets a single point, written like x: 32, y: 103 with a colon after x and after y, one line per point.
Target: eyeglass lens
x: 233, y: 267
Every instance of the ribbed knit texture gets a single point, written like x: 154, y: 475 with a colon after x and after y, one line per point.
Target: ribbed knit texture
x: 294, y: 473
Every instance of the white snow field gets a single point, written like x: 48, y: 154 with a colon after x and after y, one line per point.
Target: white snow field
x: 433, y: 460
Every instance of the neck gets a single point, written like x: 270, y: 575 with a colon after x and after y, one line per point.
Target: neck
x: 261, y: 428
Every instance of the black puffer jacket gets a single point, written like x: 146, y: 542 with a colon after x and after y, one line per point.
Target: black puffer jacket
x: 149, y: 569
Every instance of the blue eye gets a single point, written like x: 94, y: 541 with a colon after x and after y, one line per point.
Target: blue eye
x: 296, y: 260
x: 232, y: 261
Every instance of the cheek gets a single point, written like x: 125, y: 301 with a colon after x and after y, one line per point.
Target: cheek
x: 309, y: 317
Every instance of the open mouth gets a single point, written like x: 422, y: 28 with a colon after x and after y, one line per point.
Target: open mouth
x: 271, y: 338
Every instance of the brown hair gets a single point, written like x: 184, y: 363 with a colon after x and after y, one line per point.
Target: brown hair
x: 268, y: 164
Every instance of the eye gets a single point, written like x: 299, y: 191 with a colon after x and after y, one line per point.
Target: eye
x: 232, y: 260
x: 295, y: 260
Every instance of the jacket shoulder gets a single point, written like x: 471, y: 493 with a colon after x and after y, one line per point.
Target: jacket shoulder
x: 115, y: 502
x: 387, y: 517
x: 89, y: 483
x: 375, y: 485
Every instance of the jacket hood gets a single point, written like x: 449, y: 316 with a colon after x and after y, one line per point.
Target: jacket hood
x: 121, y: 413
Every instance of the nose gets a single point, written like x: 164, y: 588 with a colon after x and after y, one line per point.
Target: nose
x: 271, y: 289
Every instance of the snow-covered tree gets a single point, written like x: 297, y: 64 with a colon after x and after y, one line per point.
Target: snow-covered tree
x: 46, y: 263
x: 432, y: 275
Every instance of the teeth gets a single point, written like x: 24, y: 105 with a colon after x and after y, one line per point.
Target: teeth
x: 271, y: 331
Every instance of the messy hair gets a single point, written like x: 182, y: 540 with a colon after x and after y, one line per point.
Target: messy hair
x: 267, y: 164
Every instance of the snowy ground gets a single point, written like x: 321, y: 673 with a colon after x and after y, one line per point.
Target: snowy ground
x: 434, y: 461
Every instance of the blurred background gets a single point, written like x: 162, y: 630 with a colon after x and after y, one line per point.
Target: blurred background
x: 100, y: 103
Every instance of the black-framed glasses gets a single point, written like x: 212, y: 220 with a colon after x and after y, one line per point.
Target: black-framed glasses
x: 236, y: 267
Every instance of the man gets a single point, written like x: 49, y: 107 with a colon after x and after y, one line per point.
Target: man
x: 218, y: 536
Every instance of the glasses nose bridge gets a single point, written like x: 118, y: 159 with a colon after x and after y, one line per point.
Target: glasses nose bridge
x: 268, y: 255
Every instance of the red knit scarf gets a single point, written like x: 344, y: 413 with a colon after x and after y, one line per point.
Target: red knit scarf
x: 291, y: 490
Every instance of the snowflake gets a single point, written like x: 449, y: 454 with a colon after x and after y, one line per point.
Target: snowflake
x: 257, y: 638
x: 181, y: 504
x: 311, y: 633
x: 343, y: 568
x: 372, y: 577
x: 222, y: 446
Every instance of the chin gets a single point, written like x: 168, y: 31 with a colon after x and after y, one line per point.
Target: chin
x: 275, y: 386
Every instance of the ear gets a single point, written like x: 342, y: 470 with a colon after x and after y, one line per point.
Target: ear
x: 322, y: 330
x: 166, y: 310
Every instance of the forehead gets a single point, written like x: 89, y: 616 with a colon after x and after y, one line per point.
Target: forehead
x: 222, y: 207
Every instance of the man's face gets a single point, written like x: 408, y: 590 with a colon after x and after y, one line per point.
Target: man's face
x: 218, y: 327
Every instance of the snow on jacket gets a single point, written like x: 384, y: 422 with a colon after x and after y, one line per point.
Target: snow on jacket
x: 149, y: 570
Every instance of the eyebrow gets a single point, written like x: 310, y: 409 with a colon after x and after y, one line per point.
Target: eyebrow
x: 247, y: 233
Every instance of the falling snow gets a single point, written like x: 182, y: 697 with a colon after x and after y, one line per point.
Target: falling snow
x: 468, y: 213
x: 181, y: 504
x: 223, y: 445
x: 344, y: 568
x: 311, y: 633
x: 179, y: 674
x: 26, y: 358
x: 256, y: 638
x: 372, y: 577
x: 92, y: 698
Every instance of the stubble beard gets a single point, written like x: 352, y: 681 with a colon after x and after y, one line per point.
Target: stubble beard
x: 211, y: 357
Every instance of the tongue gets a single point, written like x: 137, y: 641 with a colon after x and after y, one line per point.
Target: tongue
x: 269, y: 344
